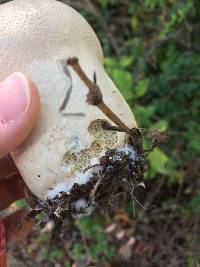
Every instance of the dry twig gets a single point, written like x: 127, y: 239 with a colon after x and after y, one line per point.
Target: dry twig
x: 95, y: 97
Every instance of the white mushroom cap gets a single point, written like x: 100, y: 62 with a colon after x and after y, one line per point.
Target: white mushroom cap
x: 34, y: 35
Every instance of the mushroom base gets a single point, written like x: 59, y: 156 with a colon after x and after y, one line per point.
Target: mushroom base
x: 120, y: 171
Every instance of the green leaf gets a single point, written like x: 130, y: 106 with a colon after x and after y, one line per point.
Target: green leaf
x: 141, y: 88
x: 144, y: 114
x: 194, y: 143
x: 42, y: 238
x: 67, y: 264
x: 56, y: 254
x: 158, y: 160
x: 126, y: 61
x: 161, y: 125
x: 20, y: 203
x: 194, y: 205
x: 110, y: 62
x: 192, y: 261
x: 104, y: 3
x: 30, y: 248
x: 134, y: 22
x: 78, y: 251
x: 124, y: 82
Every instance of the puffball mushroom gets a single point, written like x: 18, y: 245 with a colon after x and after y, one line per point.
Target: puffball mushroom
x: 36, y: 38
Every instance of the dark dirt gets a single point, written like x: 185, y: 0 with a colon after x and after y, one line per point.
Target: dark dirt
x: 118, y: 174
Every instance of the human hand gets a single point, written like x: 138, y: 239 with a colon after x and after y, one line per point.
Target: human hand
x: 19, y: 106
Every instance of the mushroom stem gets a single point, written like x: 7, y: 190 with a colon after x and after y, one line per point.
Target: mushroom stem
x: 95, y: 97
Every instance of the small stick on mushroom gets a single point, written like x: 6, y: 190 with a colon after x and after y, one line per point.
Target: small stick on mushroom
x: 95, y: 97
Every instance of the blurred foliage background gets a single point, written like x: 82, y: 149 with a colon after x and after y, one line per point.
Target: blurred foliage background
x: 152, y: 53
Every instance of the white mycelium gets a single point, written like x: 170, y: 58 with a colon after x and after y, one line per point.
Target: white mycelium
x: 81, y: 178
x: 82, y: 208
x: 129, y: 151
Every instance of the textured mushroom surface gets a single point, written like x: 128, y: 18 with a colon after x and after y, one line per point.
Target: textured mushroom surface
x: 34, y: 36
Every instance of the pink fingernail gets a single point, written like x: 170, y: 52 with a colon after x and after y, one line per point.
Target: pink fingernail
x: 14, y: 98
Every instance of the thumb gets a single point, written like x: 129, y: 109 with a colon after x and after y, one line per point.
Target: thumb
x: 19, y: 105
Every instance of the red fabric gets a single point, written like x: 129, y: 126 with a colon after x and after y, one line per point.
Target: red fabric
x: 3, y: 259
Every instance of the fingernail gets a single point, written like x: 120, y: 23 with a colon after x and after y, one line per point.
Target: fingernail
x: 14, y: 98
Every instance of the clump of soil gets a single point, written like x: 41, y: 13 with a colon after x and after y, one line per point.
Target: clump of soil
x: 119, y: 171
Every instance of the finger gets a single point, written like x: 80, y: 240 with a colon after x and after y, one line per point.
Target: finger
x: 8, y: 168
x: 10, y: 190
x: 14, y: 229
x: 19, y: 105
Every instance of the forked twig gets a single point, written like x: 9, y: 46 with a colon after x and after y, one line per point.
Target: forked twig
x: 94, y: 96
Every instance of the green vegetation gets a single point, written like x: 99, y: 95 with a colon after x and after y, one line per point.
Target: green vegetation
x: 98, y: 246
